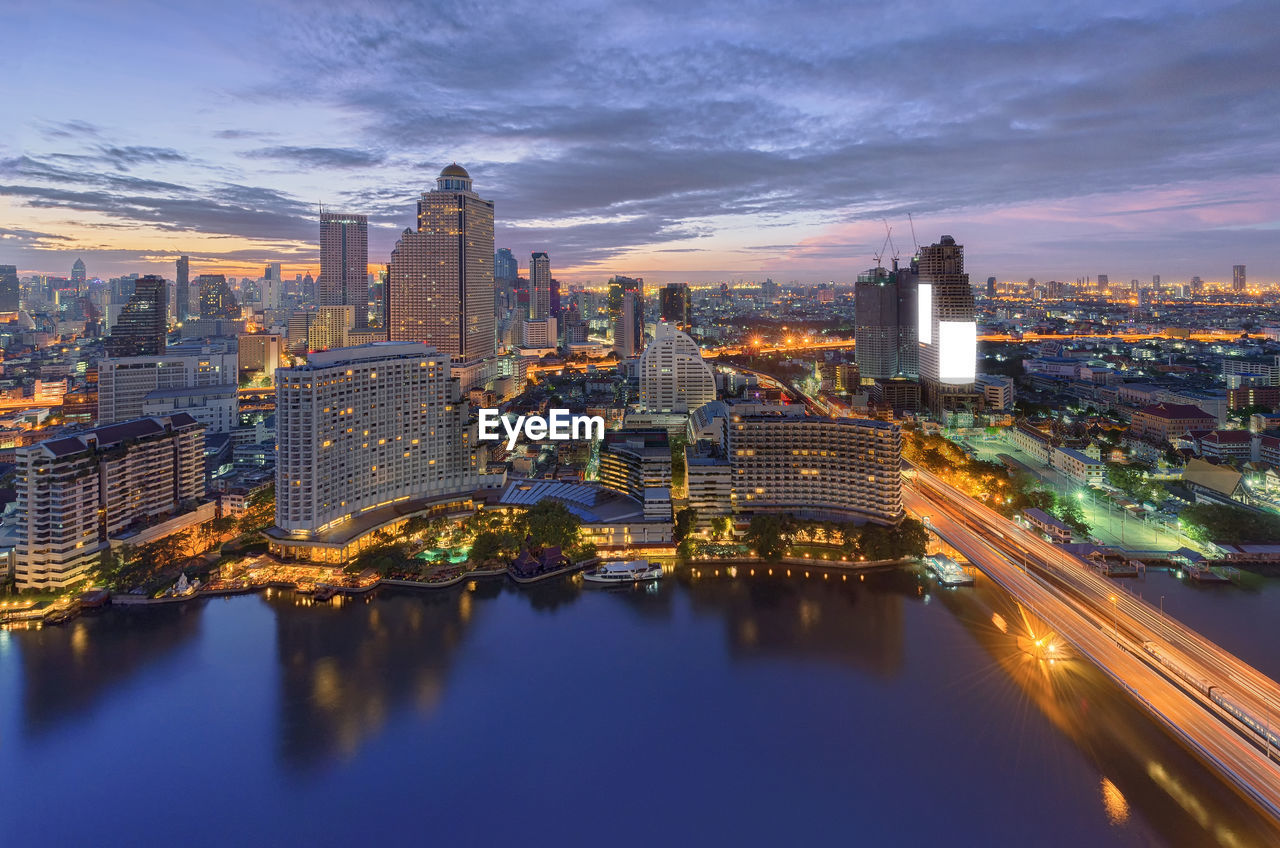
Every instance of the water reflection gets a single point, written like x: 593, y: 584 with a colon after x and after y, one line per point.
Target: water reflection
x: 66, y: 670
x: 345, y: 667
x: 858, y: 623
x: 1144, y: 771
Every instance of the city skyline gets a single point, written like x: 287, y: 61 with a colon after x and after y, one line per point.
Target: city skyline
x: 775, y: 150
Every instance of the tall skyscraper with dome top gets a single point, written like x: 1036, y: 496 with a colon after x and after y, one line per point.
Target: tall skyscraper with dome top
x: 440, y: 289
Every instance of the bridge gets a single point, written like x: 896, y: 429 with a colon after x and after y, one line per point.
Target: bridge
x: 1214, y: 703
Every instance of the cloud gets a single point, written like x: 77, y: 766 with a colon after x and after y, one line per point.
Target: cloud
x: 320, y: 157
x: 647, y: 125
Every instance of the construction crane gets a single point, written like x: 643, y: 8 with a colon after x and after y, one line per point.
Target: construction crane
x: 915, y: 243
x: 888, y: 242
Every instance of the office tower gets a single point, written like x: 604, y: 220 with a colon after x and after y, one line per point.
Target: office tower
x: 130, y: 386
x: 308, y: 289
x: 10, y: 289
x: 539, y: 286
x: 1197, y: 285
x: 78, y: 492
x: 676, y: 304
x: 140, y: 329
x: 78, y: 277
x: 673, y: 375
x: 505, y: 267
x: 769, y: 290
x: 1238, y: 282
x: 885, y: 324
x: 638, y: 463
x: 182, y: 289
x: 948, y: 330
x: 812, y: 467
x: 1155, y: 281
x: 441, y: 286
x: 324, y: 328
x: 1104, y: 283
x: 991, y: 286
x: 368, y: 431
x: 259, y: 353
x: 344, y: 264
x: 626, y: 311
x: 541, y: 333
x: 555, y: 298
x: 1134, y: 286
x: 575, y: 329
x: 216, y: 298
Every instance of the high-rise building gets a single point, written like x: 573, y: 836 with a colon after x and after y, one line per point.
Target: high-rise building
x: 947, y: 328
x: 365, y: 432
x: 1238, y: 281
x: 1197, y: 286
x: 78, y: 276
x: 1104, y: 283
x: 182, y: 289
x: 675, y: 302
x: 441, y: 286
x: 673, y: 375
x: 324, y: 328
x: 505, y: 267
x: 77, y: 492
x: 626, y: 310
x: 991, y: 286
x: 814, y: 467
x: 344, y: 264
x: 259, y: 353
x: 127, y: 384
x: 539, y: 286
x: 10, y: 289
x: 140, y: 329
x: 638, y: 463
x: 885, y: 324
x: 216, y: 297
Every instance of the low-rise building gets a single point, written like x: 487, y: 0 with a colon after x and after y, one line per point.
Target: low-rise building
x: 1164, y: 421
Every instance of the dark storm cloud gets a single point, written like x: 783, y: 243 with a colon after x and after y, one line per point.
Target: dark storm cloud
x: 320, y: 157
x: 820, y: 108
x: 647, y: 123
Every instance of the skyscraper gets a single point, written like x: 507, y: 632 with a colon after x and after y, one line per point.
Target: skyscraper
x: 673, y: 375
x: 505, y: 267
x: 183, y: 289
x: 947, y: 327
x: 1238, y: 281
x: 991, y: 286
x: 9, y: 288
x: 441, y: 285
x: 370, y: 431
x: 539, y: 286
x: 344, y: 264
x: 626, y: 308
x: 216, y: 297
x: 885, y: 324
x: 676, y: 304
x: 78, y: 275
x: 140, y: 329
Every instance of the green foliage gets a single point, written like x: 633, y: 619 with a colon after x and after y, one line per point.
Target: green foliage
x: 1133, y: 480
x: 1222, y: 523
x: 548, y: 523
x: 684, y: 524
x: 494, y: 546
x: 770, y: 535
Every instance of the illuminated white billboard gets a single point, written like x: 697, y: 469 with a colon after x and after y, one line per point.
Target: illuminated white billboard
x: 957, y: 351
x: 924, y: 313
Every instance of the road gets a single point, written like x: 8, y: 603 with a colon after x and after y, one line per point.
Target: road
x: 1111, y: 628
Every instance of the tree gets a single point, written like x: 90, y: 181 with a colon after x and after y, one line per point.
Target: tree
x: 1222, y: 523
x: 548, y: 524
x: 913, y: 538
x: 722, y: 527
x: 770, y: 535
x: 491, y: 545
x: 686, y: 519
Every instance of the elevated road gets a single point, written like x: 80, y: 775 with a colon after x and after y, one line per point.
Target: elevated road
x: 1215, y: 703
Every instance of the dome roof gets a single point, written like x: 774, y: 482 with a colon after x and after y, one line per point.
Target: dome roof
x: 455, y: 170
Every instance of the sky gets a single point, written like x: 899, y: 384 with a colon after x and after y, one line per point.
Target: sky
x: 673, y: 140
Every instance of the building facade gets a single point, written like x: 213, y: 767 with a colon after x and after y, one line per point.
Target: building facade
x: 365, y: 430
x: 440, y: 289
x: 344, y: 264
x: 539, y: 286
x: 841, y: 468
x: 140, y: 329
x: 948, y: 329
x: 75, y: 494
x: 885, y: 324
x: 673, y: 375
